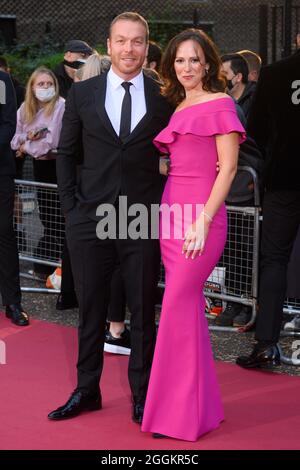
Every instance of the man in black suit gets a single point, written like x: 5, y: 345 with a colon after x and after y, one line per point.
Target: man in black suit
x: 9, y: 261
x: 117, y: 114
x: 274, y: 124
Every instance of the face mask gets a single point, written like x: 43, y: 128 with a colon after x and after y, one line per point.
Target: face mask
x: 45, y: 94
x: 230, y: 85
x: 76, y: 64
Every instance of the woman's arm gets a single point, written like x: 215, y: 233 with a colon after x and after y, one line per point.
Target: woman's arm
x: 20, y: 134
x: 227, y: 149
x: 49, y: 140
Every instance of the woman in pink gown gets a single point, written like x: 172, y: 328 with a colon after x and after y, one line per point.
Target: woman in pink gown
x: 183, y: 399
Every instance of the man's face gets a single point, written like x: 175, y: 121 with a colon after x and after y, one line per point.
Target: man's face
x: 73, y: 56
x: 232, y: 78
x: 227, y: 70
x: 127, y: 47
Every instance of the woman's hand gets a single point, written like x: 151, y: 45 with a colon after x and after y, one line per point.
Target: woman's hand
x: 196, y: 236
x: 19, y: 154
x: 32, y: 135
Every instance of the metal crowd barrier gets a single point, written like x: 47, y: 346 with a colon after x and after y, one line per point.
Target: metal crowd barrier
x: 40, y: 234
x: 39, y: 227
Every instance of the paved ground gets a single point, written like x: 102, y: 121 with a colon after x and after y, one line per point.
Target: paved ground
x: 226, y: 345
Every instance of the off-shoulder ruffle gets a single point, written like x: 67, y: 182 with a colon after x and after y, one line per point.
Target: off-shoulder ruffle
x: 202, y: 120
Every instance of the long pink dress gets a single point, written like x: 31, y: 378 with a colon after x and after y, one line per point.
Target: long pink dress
x: 183, y: 399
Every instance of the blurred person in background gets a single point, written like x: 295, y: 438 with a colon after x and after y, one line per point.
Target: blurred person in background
x: 38, y: 128
x: 254, y: 64
x: 117, y: 336
x: 76, y: 52
x: 154, y: 56
x: 274, y: 124
x: 235, y: 69
x: 9, y: 260
x: 19, y: 162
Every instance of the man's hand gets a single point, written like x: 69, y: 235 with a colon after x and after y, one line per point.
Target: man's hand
x: 164, y: 166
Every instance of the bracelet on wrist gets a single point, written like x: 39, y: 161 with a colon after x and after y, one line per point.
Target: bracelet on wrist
x: 207, y: 215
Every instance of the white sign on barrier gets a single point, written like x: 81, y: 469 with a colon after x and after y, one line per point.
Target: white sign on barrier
x: 2, y: 352
x: 2, y: 92
x: 296, y: 353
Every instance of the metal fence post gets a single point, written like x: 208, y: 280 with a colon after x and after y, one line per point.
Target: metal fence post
x: 287, y: 22
x: 263, y: 32
x: 273, y: 34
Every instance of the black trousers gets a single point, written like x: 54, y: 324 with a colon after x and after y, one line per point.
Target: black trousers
x: 281, y: 219
x: 9, y: 260
x: 93, y: 263
x: 117, y: 302
x: 67, y: 280
x: 50, y: 214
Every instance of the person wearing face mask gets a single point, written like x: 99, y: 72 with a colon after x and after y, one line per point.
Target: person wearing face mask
x: 236, y: 71
x: 75, y: 54
x: 39, y: 121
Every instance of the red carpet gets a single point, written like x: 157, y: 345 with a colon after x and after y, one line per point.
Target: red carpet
x: 262, y: 409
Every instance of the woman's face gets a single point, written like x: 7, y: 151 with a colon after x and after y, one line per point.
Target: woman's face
x: 43, y: 80
x: 190, y: 65
x: 44, y: 88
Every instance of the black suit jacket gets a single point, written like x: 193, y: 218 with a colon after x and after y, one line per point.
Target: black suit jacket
x: 110, y: 167
x: 8, y: 119
x: 274, y: 122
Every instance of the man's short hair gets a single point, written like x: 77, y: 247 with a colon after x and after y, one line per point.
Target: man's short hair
x: 131, y: 16
x: 253, y: 60
x: 238, y: 65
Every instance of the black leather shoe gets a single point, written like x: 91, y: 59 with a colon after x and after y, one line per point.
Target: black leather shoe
x: 77, y: 403
x: 66, y: 301
x: 137, y: 411
x: 17, y: 315
x: 260, y: 357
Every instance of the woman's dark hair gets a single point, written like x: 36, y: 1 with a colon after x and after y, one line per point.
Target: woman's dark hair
x: 213, y: 81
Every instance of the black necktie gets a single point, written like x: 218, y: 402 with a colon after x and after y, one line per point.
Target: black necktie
x: 125, y: 122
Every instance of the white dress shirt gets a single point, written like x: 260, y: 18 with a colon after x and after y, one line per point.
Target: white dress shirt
x: 114, y: 99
